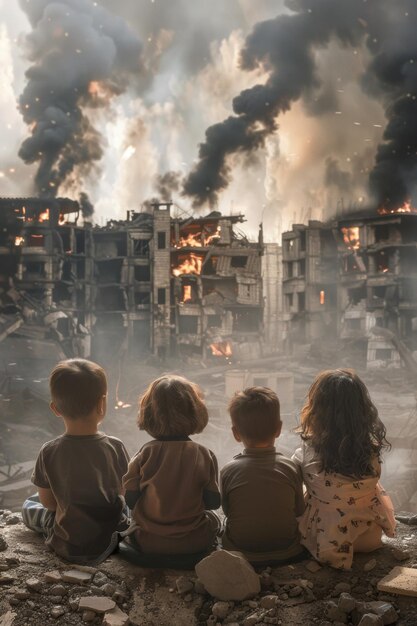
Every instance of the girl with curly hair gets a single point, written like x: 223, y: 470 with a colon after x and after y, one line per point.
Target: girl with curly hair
x: 343, y: 438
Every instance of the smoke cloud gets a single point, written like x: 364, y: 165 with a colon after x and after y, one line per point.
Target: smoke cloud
x: 81, y: 56
x: 289, y: 47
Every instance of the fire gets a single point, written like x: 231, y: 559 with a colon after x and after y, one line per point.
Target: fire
x: 186, y: 295
x: 216, y: 235
x: 190, y: 240
x: 322, y: 297
x: 351, y: 237
x: 198, y: 240
x: 405, y: 208
x: 19, y: 241
x: 222, y: 348
x: 61, y: 219
x: 191, y: 265
x: 44, y: 216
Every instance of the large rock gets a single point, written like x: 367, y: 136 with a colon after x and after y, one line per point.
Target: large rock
x: 116, y: 617
x: 228, y: 576
x: 98, y: 604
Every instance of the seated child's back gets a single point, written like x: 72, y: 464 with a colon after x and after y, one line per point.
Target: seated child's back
x: 172, y: 481
x: 261, y: 488
x: 79, y: 474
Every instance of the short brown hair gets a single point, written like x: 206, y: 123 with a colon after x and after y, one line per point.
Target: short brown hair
x: 172, y: 406
x: 255, y: 412
x: 76, y: 386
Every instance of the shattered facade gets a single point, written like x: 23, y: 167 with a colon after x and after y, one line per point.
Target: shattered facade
x: 343, y: 279
x: 152, y: 283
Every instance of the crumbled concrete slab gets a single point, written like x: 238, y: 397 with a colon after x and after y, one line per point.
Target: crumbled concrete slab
x: 98, y: 604
x: 116, y: 617
x: 76, y: 576
x: 400, y: 580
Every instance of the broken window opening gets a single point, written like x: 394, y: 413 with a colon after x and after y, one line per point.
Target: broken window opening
x: 246, y: 321
x: 110, y: 299
x: 34, y: 269
x: 383, y: 354
x: 188, y: 324
x: 238, y: 261
x: 161, y: 295
x: 80, y: 242
x: 142, y: 273
x: 161, y: 236
x: 141, y: 247
x: 109, y: 271
x: 142, y: 298
x: 35, y: 241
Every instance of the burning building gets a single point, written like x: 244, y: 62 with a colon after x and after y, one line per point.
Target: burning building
x: 351, y: 275
x: 149, y: 284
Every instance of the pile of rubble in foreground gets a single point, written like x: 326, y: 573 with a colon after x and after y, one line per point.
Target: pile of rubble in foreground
x: 38, y: 589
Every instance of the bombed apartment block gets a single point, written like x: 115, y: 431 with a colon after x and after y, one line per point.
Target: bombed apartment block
x: 149, y: 284
x: 309, y: 282
x: 217, y: 304
x: 356, y: 277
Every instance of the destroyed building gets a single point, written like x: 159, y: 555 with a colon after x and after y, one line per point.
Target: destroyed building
x: 150, y: 284
x: 343, y: 278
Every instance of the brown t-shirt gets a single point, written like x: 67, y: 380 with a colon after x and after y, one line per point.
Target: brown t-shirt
x: 84, y: 474
x: 261, y: 496
x: 174, y: 482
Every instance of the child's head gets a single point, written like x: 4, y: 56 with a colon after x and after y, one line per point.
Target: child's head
x: 342, y: 424
x: 172, y: 406
x: 255, y: 415
x: 78, y: 389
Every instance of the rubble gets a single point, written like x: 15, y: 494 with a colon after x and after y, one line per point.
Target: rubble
x: 228, y: 576
x: 76, y: 576
x: 98, y: 604
x: 400, y: 580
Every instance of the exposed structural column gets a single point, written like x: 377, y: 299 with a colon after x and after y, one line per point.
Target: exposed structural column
x: 161, y: 267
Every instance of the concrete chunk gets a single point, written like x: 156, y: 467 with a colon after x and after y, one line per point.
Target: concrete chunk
x: 228, y: 576
x: 98, y: 604
x: 116, y: 617
x: 53, y: 577
x: 77, y: 577
x: 400, y: 580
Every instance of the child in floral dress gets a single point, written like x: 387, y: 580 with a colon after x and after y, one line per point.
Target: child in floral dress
x: 346, y: 508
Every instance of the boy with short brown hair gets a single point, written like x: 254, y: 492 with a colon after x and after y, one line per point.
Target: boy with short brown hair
x: 261, y: 489
x: 79, y: 507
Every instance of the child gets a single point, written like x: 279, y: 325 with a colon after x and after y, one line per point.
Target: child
x: 79, y: 474
x: 340, y: 460
x: 172, y: 481
x: 261, y: 489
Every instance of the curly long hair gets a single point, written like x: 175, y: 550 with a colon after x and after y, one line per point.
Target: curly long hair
x: 341, y: 423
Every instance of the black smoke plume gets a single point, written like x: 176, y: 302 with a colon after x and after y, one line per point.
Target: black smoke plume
x: 287, y: 47
x: 81, y: 56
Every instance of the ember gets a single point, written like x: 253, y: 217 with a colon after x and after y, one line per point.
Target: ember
x: 19, y: 241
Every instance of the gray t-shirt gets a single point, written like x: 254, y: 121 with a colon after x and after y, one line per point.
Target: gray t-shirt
x: 262, y: 496
x: 84, y: 474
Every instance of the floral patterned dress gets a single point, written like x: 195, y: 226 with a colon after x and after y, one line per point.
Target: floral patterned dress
x: 339, y: 510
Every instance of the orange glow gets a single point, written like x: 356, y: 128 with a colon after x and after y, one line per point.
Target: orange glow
x: 222, y: 348
x: 191, y: 265
x: 186, y: 293
x: 61, y: 219
x: 405, y: 208
x: 44, y: 216
x: 198, y: 240
x: 97, y: 90
x: 19, y: 241
x: 322, y: 297
x: 190, y: 240
x: 351, y: 237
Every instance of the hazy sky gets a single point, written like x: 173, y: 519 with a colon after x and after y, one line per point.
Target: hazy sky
x: 189, y: 75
